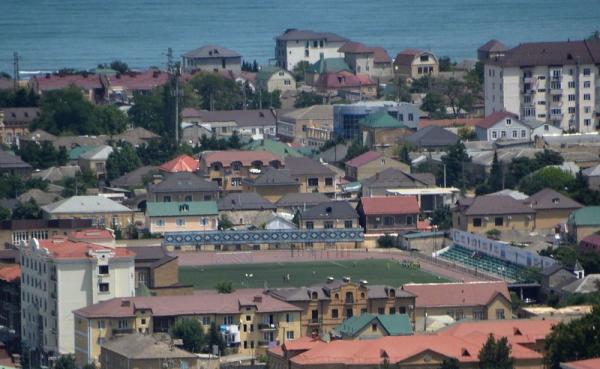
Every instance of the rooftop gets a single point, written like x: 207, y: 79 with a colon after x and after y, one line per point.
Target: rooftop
x: 589, y: 215
x: 497, y: 205
x: 493, y: 46
x: 138, y: 81
x: 394, y: 325
x: 552, y: 200
x: 212, y: 51
x: 246, y: 158
x: 494, y: 118
x: 243, y: 118
x: 174, y: 209
x: 551, y: 53
x: 85, y: 205
x: 145, y: 347
x: 10, y: 161
x: 293, y: 34
x: 277, y: 148
x: 57, y: 82
x: 97, y: 153
x: 328, y: 65
x: 390, y: 205
x: 244, y: 201
x: 306, y: 166
x: 433, y: 136
x: 365, y: 158
x: 343, y: 79
x: 381, y: 119
x: 272, y: 177
x: 183, y: 182
x: 301, y: 199
x: 582, y: 364
x: 183, y: 163
x: 457, y: 294
x: 330, y: 210
x: 10, y: 273
x: 71, y: 250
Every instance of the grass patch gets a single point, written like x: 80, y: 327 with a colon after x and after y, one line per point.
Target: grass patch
x: 304, y: 274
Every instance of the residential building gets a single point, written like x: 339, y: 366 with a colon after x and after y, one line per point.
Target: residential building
x: 138, y: 350
x: 272, y: 184
x: 414, y: 64
x: 590, y: 243
x: 137, y: 178
x: 10, y: 295
x: 40, y: 197
x: 369, y: 326
x: 312, y: 126
x: 328, y: 215
x: 245, y: 208
x: 370, y: 163
x: 371, y: 61
x: 553, y: 82
x: 292, y: 203
x: 122, y: 87
x: 583, y: 222
x: 432, y: 138
x: 484, y: 213
x: 57, y: 174
x: 12, y: 165
x: 95, y: 160
x: 464, y: 300
x: 541, y: 129
x: 157, y: 271
x: 383, y: 70
x: 183, y: 186
x: 274, y: 146
x: 326, y: 305
x: 392, y: 178
x: 346, y: 84
x: 347, y: 117
x: 554, y: 277
x: 272, y: 79
x: 255, y: 123
x: 229, y: 168
x: 189, y: 216
x: 381, y: 131
x: 390, y: 214
x: 294, y: 46
x: 552, y: 208
x: 12, y: 232
x: 103, y: 211
x: 582, y: 364
x: 493, y: 49
x: 502, y: 125
x: 182, y: 163
x: 212, y: 58
x: 593, y: 177
x: 91, y: 85
x: 323, y: 66
x: 312, y: 175
x: 250, y: 320
x: 14, y: 123
x: 59, y: 276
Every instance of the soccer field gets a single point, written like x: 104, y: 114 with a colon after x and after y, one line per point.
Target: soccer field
x: 304, y: 273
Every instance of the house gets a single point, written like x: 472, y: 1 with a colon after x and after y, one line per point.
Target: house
x: 137, y: 136
x: 95, y: 160
x: 10, y: 290
x: 554, y: 277
x: 182, y: 163
x: 311, y: 126
x: 40, y: 197
x: 391, y: 214
x: 212, y: 58
x: 189, y: 216
x: 346, y: 84
x: 323, y: 66
x: 590, y: 243
x: 392, y: 178
x: 249, y: 320
x: 65, y: 276
x: 414, y: 64
x: 502, y: 125
x: 371, y: 61
x: 274, y: 146
x: 541, y: 129
x: 245, y: 208
x: 324, y: 306
x: 14, y: 123
x: 583, y: 222
x: 381, y: 131
x: 312, y: 175
x: 584, y: 285
x: 12, y: 165
x: 57, y: 174
x: 328, y: 215
x: 254, y: 123
x: 294, y: 46
x: 12, y: 232
x: 370, y: 163
x: 183, y: 187
x: 136, y: 178
x: 272, y: 79
x: 582, y: 364
x: 91, y: 85
x: 292, y: 203
x: 137, y: 350
x: 593, y: 177
x: 272, y: 184
x: 492, y: 49
x: 103, y: 211
x: 484, y: 213
x: 229, y: 168
x: 157, y: 271
x: 370, y: 326
x: 431, y: 138
x: 552, y: 208
x: 122, y: 87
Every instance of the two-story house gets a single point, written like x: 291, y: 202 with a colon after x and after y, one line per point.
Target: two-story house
x: 272, y: 184
x: 370, y: 163
x: 385, y: 214
x: 183, y: 186
x: 294, y: 46
x: 414, y: 64
x: 502, y: 125
x: 190, y: 216
x: 212, y: 58
x: 312, y: 175
x: 484, y: 213
x: 330, y: 215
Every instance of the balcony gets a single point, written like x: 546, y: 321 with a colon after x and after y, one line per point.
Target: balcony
x: 529, y: 80
x: 267, y: 326
x: 267, y: 343
x: 122, y: 331
x: 556, y: 116
x: 315, y: 321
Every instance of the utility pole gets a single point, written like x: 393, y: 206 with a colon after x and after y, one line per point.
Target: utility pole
x: 16, y: 72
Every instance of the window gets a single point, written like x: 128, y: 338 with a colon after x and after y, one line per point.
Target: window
x: 166, y: 198
x: 374, y: 327
x: 587, y: 84
x: 388, y: 221
x: 289, y: 335
x: 541, y: 102
x: 494, y: 135
x: 349, y: 313
x: 380, y: 311
x: 306, y: 53
x: 527, y: 99
x: 159, y: 222
x: 523, y: 133
x: 334, y: 313
x: 402, y: 310
x: 143, y: 321
x: 392, y: 310
x: 180, y: 222
x: 102, y: 269
x: 101, y: 324
x: 508, y: 121
x: 499, y: 221
x: 228, y: 320
x: 503, y: 134
x: 476, y: 222
x: 587, y: 71
x: 571, y: 84
x: 313, y: 182
x: 236, y: 182
x: 410, y: 117
x: 587, y: 109
x: 347, y: 224
x: 245, y: 327
x: 571, y: 97
x: 571, y: 110
x: 310, y: 225
x: 328, y: 224
x: 555, y: 98
x: 478, y: 315
x: 515, y: 134
x: 205, y: 320
x: 123, y: 324
x: 587, y: 122
x: 328, y: 181
x: 363, y: 311
x: 587, y: 97
x: 289, y: 318
x: 500, y: 314
x: 103, y: 287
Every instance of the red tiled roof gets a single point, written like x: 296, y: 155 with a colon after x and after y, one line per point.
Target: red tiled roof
x: 65, y: 249
x: 343, y: 79
x: 56, y: 82
x: 583, y: 364
x: 245, y: 157
x: 92, y: 234
x: 140, y: 81
x: 456, y: 294
x: 423, y: 225
x: 456, y: 122
x: 365, y: 158
x: 381, y: 55
x: 494, y: 118
x: 302, y: 343
x: 183, y: 163
x: 10, y: 273
x: 390, y: 205
x: 517, y: 331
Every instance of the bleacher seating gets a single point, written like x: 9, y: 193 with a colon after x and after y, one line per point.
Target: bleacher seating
x: 483, y: 263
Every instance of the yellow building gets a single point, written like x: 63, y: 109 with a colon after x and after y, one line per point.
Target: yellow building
x: 103, y: 211
x: 484, y: 213
x: 250, y: 320
x: 312, y: 175
x: 551, y: 208
x: 272, y: 184
x: 325, y: 306
x: 311, y: 126
x: 330, y: 215
x: 190, y: 216
x: 370, y: 163
x: 415, y: 64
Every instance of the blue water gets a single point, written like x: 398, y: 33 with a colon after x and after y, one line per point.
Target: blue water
x: 50, y: 34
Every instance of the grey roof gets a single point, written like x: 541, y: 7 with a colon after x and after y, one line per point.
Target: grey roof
x: 306, y: 166
x: 148, y: 252
x: 493, y: 45
x: 293, y: 34
x: 40, y: 197
x: 433, y: 136
x: 212, y: 51
x: 10, y: 161
x: 395, y: 178
x: 244, y: 201
x: 39, y: 135
x: 134, y: 178
x: 497, y: 205
x: 307, y: 199
x: 548, y: 271
x: 243, y: 118
x: 142, y: 346
x: 19, y: 115
x: 588, y: 284
x: 183, y: 182
x: 551, y: 199
x: 592, y: 171
x: 85, y: 204
x: 324, y: 289
x: 57, y: 174
x: 273, y: 177
x: 330, y: 210
x: 512, y: 193
x: 552, y: 53
x: 335, y: 154
x: 136, y: 136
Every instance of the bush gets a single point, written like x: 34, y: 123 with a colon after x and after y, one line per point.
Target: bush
x: 386, y: 241
x: 494, y: 234
x: 224, y: 287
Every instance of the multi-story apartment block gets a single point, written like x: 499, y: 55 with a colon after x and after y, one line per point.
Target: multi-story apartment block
x: 249, y: 320
x: 553, y: 82
x: 294, y: 46
x: 59, y: 276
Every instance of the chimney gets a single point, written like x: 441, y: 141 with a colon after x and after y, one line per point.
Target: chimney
x: 257, y: 299
x: 125, y: 303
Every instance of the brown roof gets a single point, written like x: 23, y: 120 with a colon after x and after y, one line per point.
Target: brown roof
x: 10, y: 273
x: 494, y: 118
x: 302, y: 165
x: 243, y: 118
x: 493, y: 45
x: 14, y: 116
x: 380, y: 55
x: 497, y: 205
x: 390, y: 205
x: 365, y: 158
x: 343, y: 79
x: 406, y: 56
x: 245, y: 157
x: 355, y: 48
x: 582, y: 364
x: 139, y: 81
x: 551, y: 199
x: 293, y: 34
x: 518, y: 331
x: 183, y: 163
x: 551, y: 53
x: 56, y: 82
x: 456, y: 294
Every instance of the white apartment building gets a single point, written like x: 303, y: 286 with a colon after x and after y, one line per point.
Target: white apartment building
x: 59, y: 276
x: 553, y: 82
x: 294, y: 46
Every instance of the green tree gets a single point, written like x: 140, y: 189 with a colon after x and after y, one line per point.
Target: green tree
x: 433, y: 103
x: 123, y: 159
x: 421, y: 85
x: 386, y: 241
x: 190, y: 331
x: 148, y: 112
x: 18, y: 99
x: 119, y: 66
x: 467, y: 134
x: 300, y: 69
x: 403, y: 153
x: 217, y: 92
x: 548, y: 157
x: 234, y: 141
x: 27, y: 210
x: 65, y: 362
x: 548, y: 177
x: 225, y: 223
x: 306, y: 99
x: 451, y: 363
x: 401, y: 90
x: 442, y: 217
x: 11, y: 187
x: 215, y: 338
x: 355, y: 149
x: 224, y: 287
x: 79, y: 184
x: 445, y: 63
x: 496, y: 178
x: 4, y: 213
x: 454, y: 159
x: 496, y: 354
x: 108, y: 119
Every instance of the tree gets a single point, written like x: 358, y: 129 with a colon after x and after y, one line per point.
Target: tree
x: 495, y: 180
x: 454, y: 159
x: 123, y: 159
x: 224, y: 287
x: 79, y: 184
x: 4, y: 213
x: 225, y: 223
x: 548, y: 177
x: 445, y: 64
x: 215, y: 338
x: 403, y: 153
x: 442, y: 217
x: 433, y: 103
x: 401, y: 90
x: 148, y: 112
x: 300, y: 69
x: 451, y: 363
x: 27, y: 210
x: 42, y: 156
x: 119, y: 66
x: 234, y: 141
x: 355, y: 149
x: 576, y: 340
x: 496, y: 354
x: 191, y: 332
x: 65, y: 362
x: 548, y: 157
x: 217, y: 92
x: 18, y: 98
x: 467, y: 134
x: 306, y: 99
x: 386, y: 241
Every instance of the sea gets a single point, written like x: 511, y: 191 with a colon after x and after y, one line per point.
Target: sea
x: 53, y: 34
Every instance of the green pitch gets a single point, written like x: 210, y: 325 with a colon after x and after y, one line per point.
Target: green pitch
x: 304, y: 273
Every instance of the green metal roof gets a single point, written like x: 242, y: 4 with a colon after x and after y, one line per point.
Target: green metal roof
x: 590, y: 215
x: 423, y: 234
x: 173, y: 209
x: 274, y: 147
x: 381, y: 119
x: 76, y: 152
x: 329, y: 65
x: 395, y: 325
x: 266, y: 72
